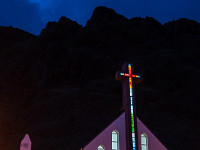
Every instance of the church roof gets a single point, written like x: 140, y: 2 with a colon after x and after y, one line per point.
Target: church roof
x: 95, y: 135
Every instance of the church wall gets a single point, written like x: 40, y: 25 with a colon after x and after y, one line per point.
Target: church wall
x: 105, y: 137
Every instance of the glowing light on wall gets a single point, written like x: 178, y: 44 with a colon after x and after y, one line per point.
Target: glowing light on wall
x: 131, y: 101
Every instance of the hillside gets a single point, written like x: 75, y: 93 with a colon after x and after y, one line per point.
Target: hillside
x: 60, y: 87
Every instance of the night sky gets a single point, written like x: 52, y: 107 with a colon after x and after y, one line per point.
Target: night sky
x: 32, y: 15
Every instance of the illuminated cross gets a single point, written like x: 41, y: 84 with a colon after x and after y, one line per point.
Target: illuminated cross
x: 129, y: 105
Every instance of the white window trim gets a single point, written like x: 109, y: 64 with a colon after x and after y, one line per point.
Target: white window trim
x: 102, y: 147
x: 117, y: 139
x: 145, y: 135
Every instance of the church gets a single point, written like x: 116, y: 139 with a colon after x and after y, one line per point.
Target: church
x: 127, y: 132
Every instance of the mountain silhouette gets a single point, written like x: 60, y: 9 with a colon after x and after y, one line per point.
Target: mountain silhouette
x: 59, y: 87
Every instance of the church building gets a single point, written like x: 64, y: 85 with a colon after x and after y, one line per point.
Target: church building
x: 127, y: 132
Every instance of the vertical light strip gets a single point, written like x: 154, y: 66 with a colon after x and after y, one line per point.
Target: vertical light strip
x: 131, y: 101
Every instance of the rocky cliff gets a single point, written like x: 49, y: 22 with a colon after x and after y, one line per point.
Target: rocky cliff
x: 60, y: 87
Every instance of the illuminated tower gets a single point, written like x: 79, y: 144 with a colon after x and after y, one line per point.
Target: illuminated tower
x: 128, y: 79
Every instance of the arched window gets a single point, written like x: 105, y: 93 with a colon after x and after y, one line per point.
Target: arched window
x: 144, y: 142
x: 115, y: 140
x: 101, y: 147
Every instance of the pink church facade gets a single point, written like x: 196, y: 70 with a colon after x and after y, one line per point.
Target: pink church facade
x: 104, y: 140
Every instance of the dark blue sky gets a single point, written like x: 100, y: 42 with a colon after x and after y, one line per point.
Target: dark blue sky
x: 32, y: 15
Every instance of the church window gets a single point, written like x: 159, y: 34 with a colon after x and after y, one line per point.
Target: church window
x: 101, y: 147
x: 115, y: 140
x: 144, y: 142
